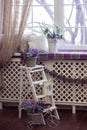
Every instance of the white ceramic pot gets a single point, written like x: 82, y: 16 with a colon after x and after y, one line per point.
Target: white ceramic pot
x: 52, y: 43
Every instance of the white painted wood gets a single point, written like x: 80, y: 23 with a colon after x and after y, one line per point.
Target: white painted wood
x: 74, y: 109
x: 47, y: 93
x: 65, y: 93
x: 1, y: 105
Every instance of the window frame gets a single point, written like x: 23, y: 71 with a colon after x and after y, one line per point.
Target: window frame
x: 59, y: 21
x: 70, y: 47
x: 32, y: 23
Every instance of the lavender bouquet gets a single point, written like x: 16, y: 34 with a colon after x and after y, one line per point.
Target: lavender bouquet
x: 32, y: 52
x: 51, y: 33
x: 34, y: 107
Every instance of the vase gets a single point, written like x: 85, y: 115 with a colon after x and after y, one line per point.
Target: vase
x: 52, y: 45
x: 31, y: 62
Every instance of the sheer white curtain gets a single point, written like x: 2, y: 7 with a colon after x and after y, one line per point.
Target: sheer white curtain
x: 13, y: 16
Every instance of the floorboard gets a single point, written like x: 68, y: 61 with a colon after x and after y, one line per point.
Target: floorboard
x: 68, y: 121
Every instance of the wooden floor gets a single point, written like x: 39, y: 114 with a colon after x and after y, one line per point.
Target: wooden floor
x: 9, y: 120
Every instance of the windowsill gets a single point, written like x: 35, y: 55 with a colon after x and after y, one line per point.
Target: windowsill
x: 76, y: 48
x: 61, y: 55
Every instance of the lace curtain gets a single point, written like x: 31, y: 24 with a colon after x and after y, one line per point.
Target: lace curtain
x: 13, y: 16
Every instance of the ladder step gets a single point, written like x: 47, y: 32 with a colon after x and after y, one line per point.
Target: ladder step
x: 36, y: 67
x: 41, y: 96
x: 39, y: 82
x: 32, y: 68
x: 38, y: 70
x: 50, y: 108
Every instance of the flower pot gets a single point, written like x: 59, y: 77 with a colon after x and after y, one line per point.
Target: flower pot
x: 30, y: 62
x: 36, y: 118
x: 52, y: 43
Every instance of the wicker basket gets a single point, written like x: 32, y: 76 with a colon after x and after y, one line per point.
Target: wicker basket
x: 36, y: 118
x: 30, y: 62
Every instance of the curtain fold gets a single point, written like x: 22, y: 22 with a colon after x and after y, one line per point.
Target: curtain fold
x: 13, y: 17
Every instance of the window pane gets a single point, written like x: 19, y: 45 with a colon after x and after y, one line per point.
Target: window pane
x: 68, y: 1
x: 35, y: 2
x: 85, y: 14
x: 75, y: 36
x: 75, y: 21
x: 74, y: 15
x: 70, y: 16
x: 75, y: 1
x: 85, y: 36
x: 42, y: 2
x: 40, y: 14
x: 50, y: 2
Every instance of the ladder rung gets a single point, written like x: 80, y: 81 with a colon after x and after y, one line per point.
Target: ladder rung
x: 36, y: 67
x: 32, y: 71
x: 50, y: 108
x: 32, y: 68
x: 39, y: 82
x: 41, y: 96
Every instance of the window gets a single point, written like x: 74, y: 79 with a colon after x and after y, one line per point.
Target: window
x: 70, y: 14
x: 75, y: 21
x: 42, y: 11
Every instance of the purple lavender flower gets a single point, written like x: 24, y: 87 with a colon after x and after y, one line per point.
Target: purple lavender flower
x: 52, y: 33
x: 26, y: 104
x: 32, y: 52
x: 34, y: 107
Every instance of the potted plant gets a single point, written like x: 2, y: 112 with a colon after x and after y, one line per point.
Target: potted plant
x: 30, y: 57
x: 34, y: 107
x: 35, y: 111
x: 53, y: 35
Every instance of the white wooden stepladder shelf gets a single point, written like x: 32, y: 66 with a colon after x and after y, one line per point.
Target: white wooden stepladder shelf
x: 47, y: 91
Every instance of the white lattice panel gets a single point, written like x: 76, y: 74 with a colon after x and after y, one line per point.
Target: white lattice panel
x: 66, y: 91
x: 63, y: 91
x: 80, y: 69
x: 81, y: 93
x: 71, y: 92
x: 11, y: 77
